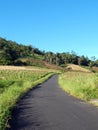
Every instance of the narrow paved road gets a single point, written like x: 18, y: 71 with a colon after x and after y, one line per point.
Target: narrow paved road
x: 49, y: 108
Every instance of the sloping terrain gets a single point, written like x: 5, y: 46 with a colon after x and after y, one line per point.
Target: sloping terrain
x: 39, y: 63
x: 77, y: 68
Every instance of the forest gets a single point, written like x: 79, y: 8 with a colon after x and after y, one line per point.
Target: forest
x: 11, y: 52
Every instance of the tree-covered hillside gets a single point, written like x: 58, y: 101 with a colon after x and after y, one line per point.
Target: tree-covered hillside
x: 12, y: 53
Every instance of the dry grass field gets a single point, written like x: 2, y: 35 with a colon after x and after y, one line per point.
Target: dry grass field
x: 77, y: 68
x: 17, y: 68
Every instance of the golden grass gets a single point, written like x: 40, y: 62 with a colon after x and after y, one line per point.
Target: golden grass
x: 18, y: 68
x: 77, y: 68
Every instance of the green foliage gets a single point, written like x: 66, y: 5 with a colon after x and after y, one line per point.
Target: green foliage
x: 4, y: 84
x: 10, y: 51
x: 5, y: 58
x: 66, y: 58
x: 83, y: 61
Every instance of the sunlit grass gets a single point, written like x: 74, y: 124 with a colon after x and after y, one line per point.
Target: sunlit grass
x: 13, y: 84
x: 79, y: 84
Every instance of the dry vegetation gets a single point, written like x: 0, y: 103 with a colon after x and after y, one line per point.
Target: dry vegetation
x: 18, y: 68
x: 32, y: 68
x: 76, y: 68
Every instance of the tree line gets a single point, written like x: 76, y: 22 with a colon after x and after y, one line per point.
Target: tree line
x: 10, y: 51
x: 64, y: 58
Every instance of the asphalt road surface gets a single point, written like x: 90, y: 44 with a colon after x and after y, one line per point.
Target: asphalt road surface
x: 49, y: 108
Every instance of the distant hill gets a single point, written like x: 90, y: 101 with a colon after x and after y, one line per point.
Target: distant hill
x: 12, y: 53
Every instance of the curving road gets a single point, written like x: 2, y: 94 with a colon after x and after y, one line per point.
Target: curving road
x: 49, y: 108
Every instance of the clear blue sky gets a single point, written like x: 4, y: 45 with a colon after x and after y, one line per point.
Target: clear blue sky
x: 52, y: 25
